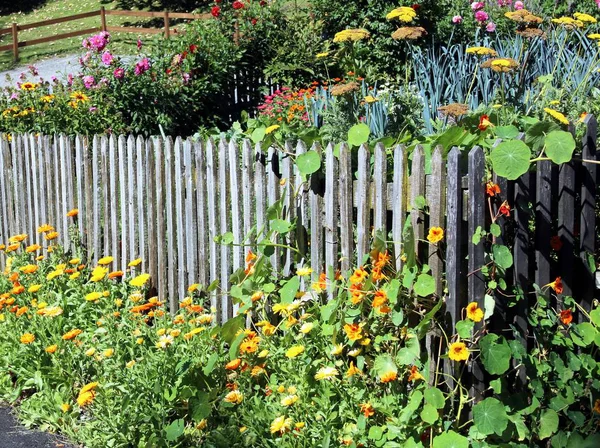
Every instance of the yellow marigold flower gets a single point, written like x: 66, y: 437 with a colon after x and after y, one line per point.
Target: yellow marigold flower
x: 139, y: 341
x: 294, y: 351
x: 130, y: 364
x: 108, y: 352
x: 175, y: 333
x: 93, y: 296
x: 304, y: 271
x: 29, y: 268
x: 322, y: 55
x: 435, y: 235
x: 98, y: 274
x: 299, y: 425
x: 72, y: 213
x: 105, y: 260
x: 74, y: 275
x: 474, y: 312
x: 337, y: 349
x: 458, y: 352
x: 51, y: 236
x: 271, y: 129
x: 370, y: 99
x: 481, y: 51
x: 263, y: 354
x: 353, y: 331
x: 326, y: 373
x: 234, y: 397
x: 52, y: 275
x: 353, y: 370
x: 34, y: 288
x: 45, y: 228
x: 17, y: 238
x: 354, y: 353
x: 205, y: 319
x: 65, y: 407
x: 289, y: 400
x: 12, y: 247
x: 306, y: 327
x: 33, y: 248
x: 72, y: 334
x: 51, y: 311
x: 87, y: 394
x: 164, y: 341
x: 358, y: 276
x: 51, y: 349
x: 140, y: 280
x: 134, y: 263
x: 388, y: 377
x: 90, y: 352
x: 351, y: 35
x: 281, y: 425
x: 558, y: 116
x: 27, y: 338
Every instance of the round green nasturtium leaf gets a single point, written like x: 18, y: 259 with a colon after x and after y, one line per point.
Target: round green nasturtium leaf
x: 435, y: 397
x: 429, y: 414
x: 450, y: 439
x: 358, y: 134
x: 464, y: 328
x: 175, y: 430
x: 309, y: 162
x: 425, y: 285
x: 384, y: 364
x: 280, y: 225
x: 560, y: 146
x: 258, y: 134
x: 584, y: 334
x: 502, y: 256
x: 548, y: 423
x: 506, y: 132
x: 495, y: 354
x: 490, y: 416
x: 511, y: 159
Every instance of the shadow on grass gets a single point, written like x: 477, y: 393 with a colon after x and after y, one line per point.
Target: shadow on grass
x: 20, y: 6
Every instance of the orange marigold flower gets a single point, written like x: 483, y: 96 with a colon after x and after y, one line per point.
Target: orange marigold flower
x: 321, y: 285
x: 380, y: 299
x: 388, y: 377
x: 566, y: 317
x: 22, y: 311
x: 492, y: 189
x: 51, y: 236
x: 33, y: 248
x: 116, y: 274
x: 353, y: 331
x: 27, y: 338
x: 415, y: 375
x: 436, y: 234
x: 233, y: 365
x: 72, y: 334
x: 72, y: 213
x: 366, y: 409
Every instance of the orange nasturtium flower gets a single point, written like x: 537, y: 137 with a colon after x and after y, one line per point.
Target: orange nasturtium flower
x: 359, y: 276
x: 597, y: 406
x: 566, y: 316
x: 458, y: 352
x: 505, y: 209
x: 73, y: 213
x: 492, y: 189
x: 474, y: 312
x: 484, y: 123
x: 366, y: 409
x: 415, y: 375
x: 436, y: 234
x: 353, y: 331
x: 556, y: 243
x: 556, y: 285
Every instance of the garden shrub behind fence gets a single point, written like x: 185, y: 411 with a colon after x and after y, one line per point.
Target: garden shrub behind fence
x: 166, y: 201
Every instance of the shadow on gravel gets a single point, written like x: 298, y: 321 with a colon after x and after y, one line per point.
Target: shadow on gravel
x: 13, y: 435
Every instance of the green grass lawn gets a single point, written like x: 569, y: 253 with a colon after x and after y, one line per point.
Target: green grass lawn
x: 124, y: 43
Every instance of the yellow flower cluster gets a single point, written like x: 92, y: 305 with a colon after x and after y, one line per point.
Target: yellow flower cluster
x: 351, y: 35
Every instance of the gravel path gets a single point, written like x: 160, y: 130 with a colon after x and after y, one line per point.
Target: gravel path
x: 13, y: 435
x: 60, y: 66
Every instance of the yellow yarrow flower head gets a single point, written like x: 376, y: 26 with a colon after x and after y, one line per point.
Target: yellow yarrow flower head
x: 351, y: 35
x: 404, y: 14
x: 481, y: 51
x: 585, y: 18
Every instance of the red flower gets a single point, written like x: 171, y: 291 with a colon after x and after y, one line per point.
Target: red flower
x: 193, y: 48
x: 416, y: 6
x: 566, y: 317
x: 492, y: 189
x: 556, y: 285
x: 262, y: 3
x: 484, y: 123
x: 556, y: 243
x: 215, y: 11
x: 253, y: 21
x: 505, y: 209
x: 237, y: 5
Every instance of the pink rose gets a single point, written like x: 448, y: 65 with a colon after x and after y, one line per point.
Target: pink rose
x: 476, y: 6
x: 88, y: 81
x: 490, y: 27
x: 107, y: 58
x: 481, y: 16
x: 119, y: 73
x: 519, y: 5
x: 459, y: 19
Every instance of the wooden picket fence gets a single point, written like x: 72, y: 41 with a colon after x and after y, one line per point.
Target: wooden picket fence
x: 167, y: 200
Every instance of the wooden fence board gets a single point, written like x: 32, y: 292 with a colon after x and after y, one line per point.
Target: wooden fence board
x: 132, y: 209
x: 273, y: 177
x: 120, y: 262
x: 247, y: 192
x: 363, y: 209
x: 237, y: 219
x: 437, y: 212
x: 152, y: 215
x: 113, y: 174
x: 417, y: 190
x: 144, y: 177
x: 201, y: 215
x: 289, y: 210
x: 171, y: 229
x: 316, y: 225
x: 380, y: 187
x: 27, y: 150
x: 331, y: 215
x: 224, y: 206
x: 399, y: 205
x: 161, y: 240
x: 191, y: 237
x: 211, y: 188
x: 80, y: 149
x: 42, y: 155
x: 543, y: 215
x: 301, y: 191
x: 179, y: 190
x: 346, y: 207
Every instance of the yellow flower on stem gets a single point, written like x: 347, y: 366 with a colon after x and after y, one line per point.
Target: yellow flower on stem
x: 281, y: 425
x: 458, y: 352
x: 474, y: 312
x: 435, y: 235
x: 27, y: 338
x: 294, y: 351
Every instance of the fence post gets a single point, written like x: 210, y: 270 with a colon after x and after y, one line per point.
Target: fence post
x: 103, y: 18
x: 167, y: 32
x: 15, y: 39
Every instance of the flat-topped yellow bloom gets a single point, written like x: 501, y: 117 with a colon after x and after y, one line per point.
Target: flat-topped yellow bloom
x: 351, y: 35
x: 586, y: 18
x: 403, y: 14
x: 481, y: 51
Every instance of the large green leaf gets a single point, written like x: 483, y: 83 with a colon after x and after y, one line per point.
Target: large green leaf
x: 175, y: 430
x: 288, y: 290
x: 231, y: 327
x: 495, y: 354
x: 435, y: 397
x: 536, y: 134
x: 511, y: 159
x: 560, y: 146
x: 450, y: 439
x: 429, y: 414
x: 309, y: 162
x: 548, y: 424
x: 506, y: 132
x: 384, y: 364
x: 502, y: 256
x: 358, y: 134
x: 425, y: 285
x: 490, y: 416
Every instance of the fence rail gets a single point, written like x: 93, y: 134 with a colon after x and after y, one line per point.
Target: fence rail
x: 167, y: 200
x: 102, y: 26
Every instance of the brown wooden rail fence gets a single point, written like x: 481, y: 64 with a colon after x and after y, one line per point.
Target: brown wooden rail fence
x: 166, y: 200
x: 102, y: 26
